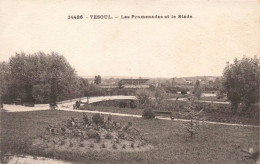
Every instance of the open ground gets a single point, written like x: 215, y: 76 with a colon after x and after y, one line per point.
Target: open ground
x: 213, y: 144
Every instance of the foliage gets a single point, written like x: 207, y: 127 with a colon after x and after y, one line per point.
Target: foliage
x: 123, y: 104
x: 183, y: 92
x: 220, y: 95
x: 98, y: 119
x: 197, y: 90
x: 4, y: 80
x: 120, y: 85
x: 93, y: 90
x: 195, y: 118
x: 148, y: 114
x: 97, y: 79
x: 241, y: 82
x: 160, y: 95
x: 85, y: 119
x: 42, y: 78
x: 143, y: 96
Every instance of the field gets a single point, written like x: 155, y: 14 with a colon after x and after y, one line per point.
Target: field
x: 213, y: 144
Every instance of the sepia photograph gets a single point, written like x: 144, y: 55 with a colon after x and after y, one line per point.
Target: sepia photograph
x: 139, y: 81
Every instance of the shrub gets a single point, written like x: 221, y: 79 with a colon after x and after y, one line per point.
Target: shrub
x: 132, y: 145
x: 148, y: 114
x: 85, y: 119
x: 183, y: 92
x: 122, y: 104
x: 62, y: 142
x: 93, y: 134
x: 114, y: 146
x: 122, y: 135
x: 109, y: 118
x: 81, y: 144
x: 159, y: 95
x: 108, y: 136
x: 220, y: 95
x: 98, y: 119
x: 133, y: 104
x: 143, y: 96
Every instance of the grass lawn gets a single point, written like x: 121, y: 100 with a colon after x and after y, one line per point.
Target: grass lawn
x: 214, y: 144
x: 214, y: 116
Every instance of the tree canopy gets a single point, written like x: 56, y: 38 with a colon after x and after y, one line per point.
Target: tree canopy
x: 241, y: 82
x: 42, y: 78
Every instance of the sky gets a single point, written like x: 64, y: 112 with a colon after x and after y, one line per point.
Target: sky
x: 218, y: 31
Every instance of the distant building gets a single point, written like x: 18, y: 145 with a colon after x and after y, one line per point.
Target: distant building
x: 188, y: 81
x: 134, y: 83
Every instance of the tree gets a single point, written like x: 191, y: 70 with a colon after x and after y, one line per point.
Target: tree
x: 143, y: 96
x: 41, y: 77
x: 61, y: 77
x: 160, y: 95
x: 4, y: 80
x: 23, y: 75
x: 97, y: 79
x: 241, y: 82
x: 197, y: 90
x: 120, y: 85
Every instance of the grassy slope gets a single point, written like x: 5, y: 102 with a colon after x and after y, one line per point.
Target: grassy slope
x: 216, y: 144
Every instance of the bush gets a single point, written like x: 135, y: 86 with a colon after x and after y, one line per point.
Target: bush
x: 143, y: 96
x: 160, y: 95
x: 220, y: 95
x: 148, y: 114
x: 133, y: 104
x: 98, y: 119
x: 183, y: 92
x: 108, y: 136
x: 85, y: 119
x: 122, y: 104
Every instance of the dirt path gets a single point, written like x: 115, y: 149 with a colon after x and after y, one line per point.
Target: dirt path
x: 30, y: 159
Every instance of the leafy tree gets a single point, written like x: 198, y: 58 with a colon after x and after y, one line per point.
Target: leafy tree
x: 24, y: 73
x: 160, y: 95
x: 61, y: 77
x: 4, y: 80
x: 143, y: 96
x: 241, y: 82
x: 217, y: 85
x: 42, y: 78
x: 197, y: 90
x: 173, y: 82
x: 97, y: 79
x: 120, y: 85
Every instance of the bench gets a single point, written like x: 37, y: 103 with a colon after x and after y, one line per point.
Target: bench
x: 164, y: 112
